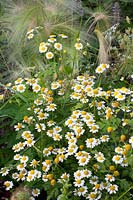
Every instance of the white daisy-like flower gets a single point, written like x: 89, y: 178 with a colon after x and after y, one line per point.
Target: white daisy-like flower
x: 24, y: 159
x: 104, y: 138
x: 97, y: 187
x: 51, y: 107
x: 72, y: 140
x: 18, y: 81
x: 84, y: 160
x: 90, y: 122
x: 100, y: 157
x: 51, y: 123
x: 57, y: 129
x: 18, y: 147
x: 94, y: 196
x: 15, y: 176
x: 104, y: 185
x: 57, y: 137
x: 131, y: 141
x: 30, y: 31
x: 86, y: 173
x: 19, y: 126
x: 93, y: 180
x: 38, y: 174
x: 104, y: 66
x: 72, y: 149
x: 117, y: 159
x: 124, y: 90
x: 79, y: 182
x: 109, y: 177
x: 34, y: 163
x: 17, y: 157
x: 70, y: 122
x: 65, y: 176
x: 38, y: 102
x: 124, y: 162
x: 119, y: 150
x: 21, y: 176
x: 20, y: 88
x: 49, y: 55
x: 36, y: 88
x: 61, y: 92
x: 100, y: 105
x: 75, y: 95
x: 30, y: 178
x: 94, y: 128
x: 35, y: 192
x: 31, y: 198
x: 30, y: 36
x: 91, y: 142
x: 43, y: 48
x: 28, y: 120
x: 81, y: 191
x: 69, y: 135
x: 40, y: 127
x: 4, y: 171
x: 78, y: 46
x: 31, y: 81
x: 52, y: 40
x: 44, y: 177
x: 42, y: 115
x: 8, y: 185
x: 78, y: 174
x: 30, y: 142
x: 78, y: 130
x: 112, y: 189
x: 21, y: 166
x: 27, y: 135
x: 63, y: 36
x: 99, y: 70
x: 58, y: 46
x: 78, y: 88
x: 120, y: 97
x: 55, y: 85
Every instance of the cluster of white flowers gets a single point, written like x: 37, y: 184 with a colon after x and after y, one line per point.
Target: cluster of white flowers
x: 77, y: 138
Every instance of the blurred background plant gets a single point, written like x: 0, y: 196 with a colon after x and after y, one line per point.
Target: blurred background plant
x: 121, y: 52
x: 89, y: 19
x: 109, y: 28
x: 53, y: 17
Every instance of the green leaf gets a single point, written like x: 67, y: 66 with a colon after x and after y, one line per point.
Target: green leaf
x: 130, y: 161
x: 124, y: 184
x: 68, y: 69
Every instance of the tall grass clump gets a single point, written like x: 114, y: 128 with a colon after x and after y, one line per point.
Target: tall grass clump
x: 23, y: 17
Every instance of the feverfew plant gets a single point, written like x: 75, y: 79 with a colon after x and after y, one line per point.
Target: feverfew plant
x: 58, y: 53
x: 76, y: 140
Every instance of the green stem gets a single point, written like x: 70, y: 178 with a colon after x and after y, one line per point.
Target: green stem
x: 37, y: 149
x: 125, y: 193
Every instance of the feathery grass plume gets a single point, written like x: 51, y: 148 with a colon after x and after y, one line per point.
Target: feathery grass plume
x: 99, y: 17
x: 103, y: 54
x: 98, y: 22
x: 77, y: 7
x: 52, y: 16
x: 116, y: 13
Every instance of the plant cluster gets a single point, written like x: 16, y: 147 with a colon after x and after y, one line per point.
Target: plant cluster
x: 53, y: 51
x: 76, y: 135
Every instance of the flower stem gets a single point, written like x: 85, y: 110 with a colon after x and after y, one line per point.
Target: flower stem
x: 125, y: 193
